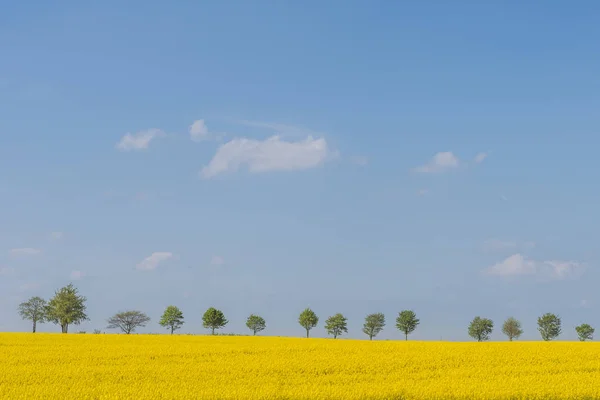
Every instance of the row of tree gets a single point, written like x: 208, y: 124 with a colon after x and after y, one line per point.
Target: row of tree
x: 67, y: 307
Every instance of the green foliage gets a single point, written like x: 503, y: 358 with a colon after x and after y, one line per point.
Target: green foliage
x: 127, y: 321
x: 549, y: 326
x: 481, y: 328
x: 256, y: 323
x: 214, y: 319
x: 336, y: 325
x: 97, y: 331
x: 33, y: 310
x: 512, y: 328
x: 308, y: 320
x: 585, y: 332
x: 407, y: 322
x: 172, y: 318
x: 66, y: 307
x: 374, y: 324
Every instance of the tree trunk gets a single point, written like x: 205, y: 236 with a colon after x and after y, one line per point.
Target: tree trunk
x: 34, y: 321
x: 334, y: 336
x: 307, y: 330
x: 370, y: 337
x: 405, y: 336
x: 254, y: 332
x: 65, y: 328
x: 172, y: 329
x: 213, y: 331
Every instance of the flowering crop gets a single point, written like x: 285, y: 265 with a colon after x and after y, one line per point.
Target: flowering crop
x: 54, y: 366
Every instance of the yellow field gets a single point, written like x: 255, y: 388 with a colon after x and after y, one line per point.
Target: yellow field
x: 198, y: 367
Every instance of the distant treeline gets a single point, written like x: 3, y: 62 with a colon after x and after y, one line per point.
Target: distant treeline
x: 67, y: 308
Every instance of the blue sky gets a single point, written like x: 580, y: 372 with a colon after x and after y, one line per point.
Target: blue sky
x: 262, y: 157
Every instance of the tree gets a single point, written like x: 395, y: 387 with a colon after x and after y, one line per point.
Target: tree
x: 66, y: 308
x: 214, y: 319
x: 336, y: 325
x: 585, y: 332
x: 127, y: 321
x: 308, y: 319
x: 172, y: 319
x: 33, y: 310
x: 481, y: 328
x: 512, y: 328
x: 407, y: 322
x: 549, y: 326
x: 256, y: 323
x: 374, y: 324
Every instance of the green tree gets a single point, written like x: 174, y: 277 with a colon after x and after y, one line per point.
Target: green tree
x: 481, y: 328
x: 256, y: 323
x: 66, y: 308
x: 128, y: 321
x: 336, y: 325
x: 585, y: 332
x: 172, y: 319
x: 374, y: 324
x: 407, y: 322
x: 549, y: 326
x: 214, y: 319
x: 512, y: 328
x: 308, y: 319
x: 33, y: 310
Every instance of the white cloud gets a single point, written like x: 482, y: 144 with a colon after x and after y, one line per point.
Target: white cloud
x: 480, y: 157
x: 56, y: 235
x: 151, y: 262
x: 282, y: 129
x: 272, y: 154
x: 517, y: 264
x: 77, y: 275
x: 440, y: 162
x: 27, y: 251
x: 138, y: 141
x: 198, y: 131
x: 217, y: 260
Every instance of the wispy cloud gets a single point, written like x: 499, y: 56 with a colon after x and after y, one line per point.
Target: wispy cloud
x: 26, y: 287
x: 76, y: 275
x: 217, y: 260
x: 56, y: 235
x: 440, y: 162
x: 272, y: 154
x: 282, y: 130
x: 422, y: 192
x: 138, y: 141
x: 152, y: 261
x: 7, y: 271
x: 198, y: 131
x: 480, y: 157
x: 359, y: 160
x: 519, y: 265
x: 23, y: 252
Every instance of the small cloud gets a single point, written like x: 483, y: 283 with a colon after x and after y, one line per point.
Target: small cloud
x: 517, y: 264
x: 584, y: 304
x: 217, y: 260
x: 26, y: 287
x: 272, y: 154
x: 480, y: 157
x: 76, y: 275
x: 440, y: 162
x: 138, y: 141
x: 503, y: 197
x: 23, y: 252
x: 151, y: 262
x: 359, y: 160
x: 56, y: 235
x: 198, y: 131
x: 7, y: 271
x: 422, y: 192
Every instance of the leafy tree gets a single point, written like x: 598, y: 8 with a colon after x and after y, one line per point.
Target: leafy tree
x: 33, y: 310
x: 256, y: 323
x: 407, y: 322
x: 214, y: 319
x: 512, y: 328
x: 172, y: 319
x: 549, y: 326
x: 585, y: 332
x: 481, y: 328
x: 308, y: 319
x: 127, y: 321
x: 66, y: 308
x: 336, y: 325
x: 374, y: 324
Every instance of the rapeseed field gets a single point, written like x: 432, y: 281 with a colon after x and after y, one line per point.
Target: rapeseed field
x: 55, y: 366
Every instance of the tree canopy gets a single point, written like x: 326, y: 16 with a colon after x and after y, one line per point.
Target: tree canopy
x: 374, y: 324
x: 585, y: 332
x: 128, y: 321
x: 549, y: 326
x: 214, y: 319
x: 336, y: 325
x: 67, y: 307
x: 33, y: 310
x: 308, y: 320
x: 512, y: 328
x: 407, y: 322
x: 481, y: 328
x: 172, y: 319
x: 256, y: 323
